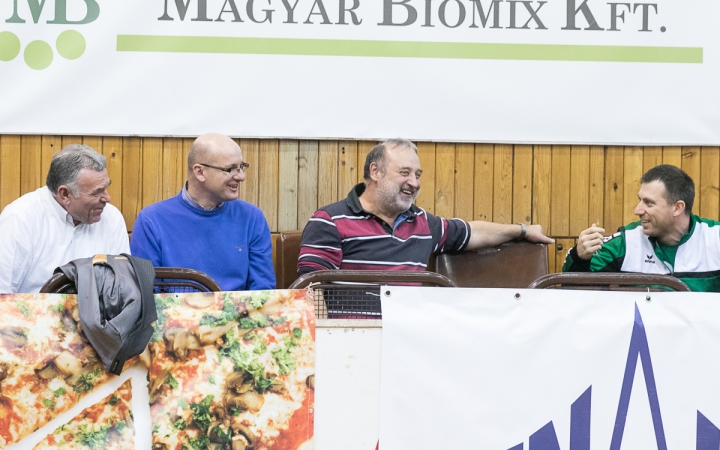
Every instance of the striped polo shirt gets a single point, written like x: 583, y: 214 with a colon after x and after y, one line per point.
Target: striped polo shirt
x: 345, y: 236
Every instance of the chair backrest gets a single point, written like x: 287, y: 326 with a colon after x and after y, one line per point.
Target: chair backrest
x: 355, y: 294
x: 287, y: 251
x: 510, y: 265
x: 167, y: 279
x: 609, y: 282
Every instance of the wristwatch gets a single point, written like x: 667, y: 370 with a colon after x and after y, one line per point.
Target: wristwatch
x: 523, y: 232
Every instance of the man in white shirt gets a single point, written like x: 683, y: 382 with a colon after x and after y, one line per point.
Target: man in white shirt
x: 60, y: 222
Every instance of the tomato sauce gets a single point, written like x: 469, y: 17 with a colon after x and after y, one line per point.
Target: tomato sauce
x: 300, y: 427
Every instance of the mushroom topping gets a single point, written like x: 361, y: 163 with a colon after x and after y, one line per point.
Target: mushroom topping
x: 239, y: 442
x: 145, y: 356
x: 200, y: 300
x: 5, y: 370
x: 272, y: 306
x: 239, y: 382
x: 67, y: 364
x: 210, y: 335
x: 250, y: 401
x: 240, y: 430
x: 219, y: 433
x: 13, y: 337
x: 156, y: 384
x: 48, y: 372
x: 180, y: 340
x: 311, y: 382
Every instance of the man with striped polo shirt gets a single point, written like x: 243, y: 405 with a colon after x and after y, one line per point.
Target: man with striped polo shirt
x: 378, y: 228
x: 669, y: 239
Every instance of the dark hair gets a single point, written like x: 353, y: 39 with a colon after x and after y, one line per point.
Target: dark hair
x: 377, y: 154
x: 678, y: 184
x: 67, y: 164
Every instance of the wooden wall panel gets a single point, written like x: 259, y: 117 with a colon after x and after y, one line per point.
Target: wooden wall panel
x: 464, y: 185
x: 484, y: 181
x: 522, y: 184
x: 503, y: 185
x: 445, y: 180
x: 563, y: 188
x: 307, y: 182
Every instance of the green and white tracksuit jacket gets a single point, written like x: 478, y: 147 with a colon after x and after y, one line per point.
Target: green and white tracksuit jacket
x: 695, y: 260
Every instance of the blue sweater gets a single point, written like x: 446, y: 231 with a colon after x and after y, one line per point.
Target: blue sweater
x: 231, y: 243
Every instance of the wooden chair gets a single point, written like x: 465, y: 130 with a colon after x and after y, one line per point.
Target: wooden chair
x: 167, y: 279
x: 355, y: 294
x: 287, y: 251
x: 609, y: 282
x: 510, y: 265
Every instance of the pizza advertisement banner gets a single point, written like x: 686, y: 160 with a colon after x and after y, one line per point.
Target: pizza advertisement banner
x: 225, y: 370
x: 559, y: 71
x: 503, y: 369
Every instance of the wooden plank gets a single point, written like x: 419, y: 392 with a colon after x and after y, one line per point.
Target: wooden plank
x: 464, y: 184
x: 10, y: 147
x: 560, y: 191
x: 112, y: 148
x: 288, y: 186
x: 131, y: 179
x: 542, y: 186
x: 31, y: 176
x: 596, y: 193
x: 445, y: 180
x: 691, y: 163
x: 708, y: 188
x: 633, y: 171
x: 249, y: 190
x: 307, y: 182
x: 579, y: 188
x: 483, y: 182
x: 94, y: 142
x: 49, y: 148
x: 552, y: 252
x: 426, y: 198
x: 652, y: 156
x: 268, y: 160
x: 522, y: 184
x: 173, y: 168
x: 328, y: 168
x: 347, y: 175
x: 562, y: 246
x: 613, y: 217
x: 152, y: 173
x: 673, y: 156
x: 502, y: 190
x: 67, y: 140
x: 364, y: 148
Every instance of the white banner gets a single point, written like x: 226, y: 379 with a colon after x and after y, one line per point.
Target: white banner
x: 536, y: 71
x: 549, y: 370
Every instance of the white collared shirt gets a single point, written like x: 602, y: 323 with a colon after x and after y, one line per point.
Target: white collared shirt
x: 37, y: 235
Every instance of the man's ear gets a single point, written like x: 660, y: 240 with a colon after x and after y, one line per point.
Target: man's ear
x: 199, y: 172
x: 374, y: 171
x: 679, y: 208
x: 64, y: 194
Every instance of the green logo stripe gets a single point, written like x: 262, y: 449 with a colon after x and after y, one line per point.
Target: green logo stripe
x: 405, y: 49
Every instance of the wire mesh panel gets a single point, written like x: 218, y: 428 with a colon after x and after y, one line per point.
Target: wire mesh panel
x: 347, y: 302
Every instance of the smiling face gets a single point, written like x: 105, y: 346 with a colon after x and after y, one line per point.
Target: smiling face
x: 92, y: 187
x: 398, y: 180
x: 656, y: 214
x: 218, y: 185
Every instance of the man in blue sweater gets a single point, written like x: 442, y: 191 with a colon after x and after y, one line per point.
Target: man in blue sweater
x: 206, y: 227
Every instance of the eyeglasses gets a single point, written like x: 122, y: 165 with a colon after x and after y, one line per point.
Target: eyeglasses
x: 243, y: 167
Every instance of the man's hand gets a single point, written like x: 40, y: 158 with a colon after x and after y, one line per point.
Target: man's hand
x: 535, y: 234
x: 590, y: 241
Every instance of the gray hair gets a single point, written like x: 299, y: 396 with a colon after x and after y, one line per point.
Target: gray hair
x: 377, y: 154
x: 67, y: 164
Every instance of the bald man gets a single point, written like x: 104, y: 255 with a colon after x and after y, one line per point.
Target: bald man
x: 206, y: 227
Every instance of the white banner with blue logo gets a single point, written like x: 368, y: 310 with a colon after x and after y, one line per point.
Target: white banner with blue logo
x: 500, y: 369
x: 530, y: 71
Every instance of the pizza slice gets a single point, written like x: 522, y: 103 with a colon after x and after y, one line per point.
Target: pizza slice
x: 233, y: 370
x: 104, y: 425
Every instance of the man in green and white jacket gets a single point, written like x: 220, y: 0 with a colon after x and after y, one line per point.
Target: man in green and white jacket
x: 668, y: 239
